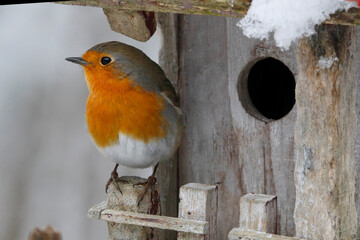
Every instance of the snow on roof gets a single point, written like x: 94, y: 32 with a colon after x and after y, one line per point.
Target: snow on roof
x: 288, y: 20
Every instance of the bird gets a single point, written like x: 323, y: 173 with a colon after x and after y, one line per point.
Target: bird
x: 132, y: 110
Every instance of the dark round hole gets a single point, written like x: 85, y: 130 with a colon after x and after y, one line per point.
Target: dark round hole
x: 271, y: 88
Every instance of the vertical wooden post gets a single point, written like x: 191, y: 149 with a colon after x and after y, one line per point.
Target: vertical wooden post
x: 325, y: 135
x: 199, y: 202
x: 167, y: 174
x: 258, y: 218
x: 258, y: 212
x: 128, y: 201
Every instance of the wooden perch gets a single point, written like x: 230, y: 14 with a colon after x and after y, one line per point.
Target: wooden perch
x: 128, y: 201
x: 226, y: 8
x: 125, y: 217
x: 197, y: 213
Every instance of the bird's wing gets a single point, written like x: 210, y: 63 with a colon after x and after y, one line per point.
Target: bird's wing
x: 169, y: 91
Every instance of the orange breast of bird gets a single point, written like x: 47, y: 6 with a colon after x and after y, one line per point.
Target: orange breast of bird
x: 117, y: 105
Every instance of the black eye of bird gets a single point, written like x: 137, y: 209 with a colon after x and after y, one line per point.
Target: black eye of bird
x: 105, y: 60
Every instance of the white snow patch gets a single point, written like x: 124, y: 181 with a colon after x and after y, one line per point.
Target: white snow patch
x: 326, y: 63
x: 288, y: 20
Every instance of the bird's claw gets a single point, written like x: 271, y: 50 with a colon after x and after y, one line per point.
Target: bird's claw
x: 115, y: 178
x: 115, y: 182
x: 151, y: 181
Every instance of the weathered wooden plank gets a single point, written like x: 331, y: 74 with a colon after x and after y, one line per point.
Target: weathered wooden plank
x: 235, y: 8
x: 95, y: 211
x: 128, y: 201
x: 356, y: 61
x: 227, y: 8
x: 258, y: 212
x: 154, y: 221
x: 223, y: 144
x: 239, y: 233
x: 139, y: 25
x: 100, y: 211
x: 167, y: 174
x: 266, y: 149
x: 203, y: 102
x: 161, y: 222
x: 197, y: 207
x: 199, y: 201
x: 169, y: 52
x: 325, y: 134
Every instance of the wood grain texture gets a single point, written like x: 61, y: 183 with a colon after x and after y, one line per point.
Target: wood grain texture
x: 153, y: 221
x: 238, y: 233
x: 223, y: 144
x: 199, y: 202
x: 325, y: 135
x: 258, y: 212
x: 139, y: 25
x: 235, y: 8
x: 226, y: 8
x: 128, y: 201
x: 356, y: 62
x: 167, y: 174
x: 197, y: 212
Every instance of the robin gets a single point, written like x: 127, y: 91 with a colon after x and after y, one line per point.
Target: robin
x: 132, y: 110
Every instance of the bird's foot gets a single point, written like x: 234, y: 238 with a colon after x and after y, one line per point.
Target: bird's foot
x: 151, y: 182
x: 115, y: 179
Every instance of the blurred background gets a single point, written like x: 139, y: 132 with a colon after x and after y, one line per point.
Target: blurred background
x: 50, y: 171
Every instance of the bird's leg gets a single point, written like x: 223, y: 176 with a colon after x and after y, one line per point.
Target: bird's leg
x: 150, y: 182
x: 113, y: 178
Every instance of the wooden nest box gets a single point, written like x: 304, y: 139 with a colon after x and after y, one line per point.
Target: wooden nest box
x: 261, y: 120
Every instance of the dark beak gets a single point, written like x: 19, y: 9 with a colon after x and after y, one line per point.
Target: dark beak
x: 77, y: 60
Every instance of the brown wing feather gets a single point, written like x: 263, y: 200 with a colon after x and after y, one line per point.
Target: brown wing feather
x: 168, y: 90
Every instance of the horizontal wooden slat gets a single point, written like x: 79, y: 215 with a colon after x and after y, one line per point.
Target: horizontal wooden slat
x: 234, y: 8
x: 95, y: 211
x: 227, y: 8
x: 162, y: 222
x: 238, y: 233
x: 170, y: 223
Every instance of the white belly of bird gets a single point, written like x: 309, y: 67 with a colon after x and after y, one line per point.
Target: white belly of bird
x: 134, y: 153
